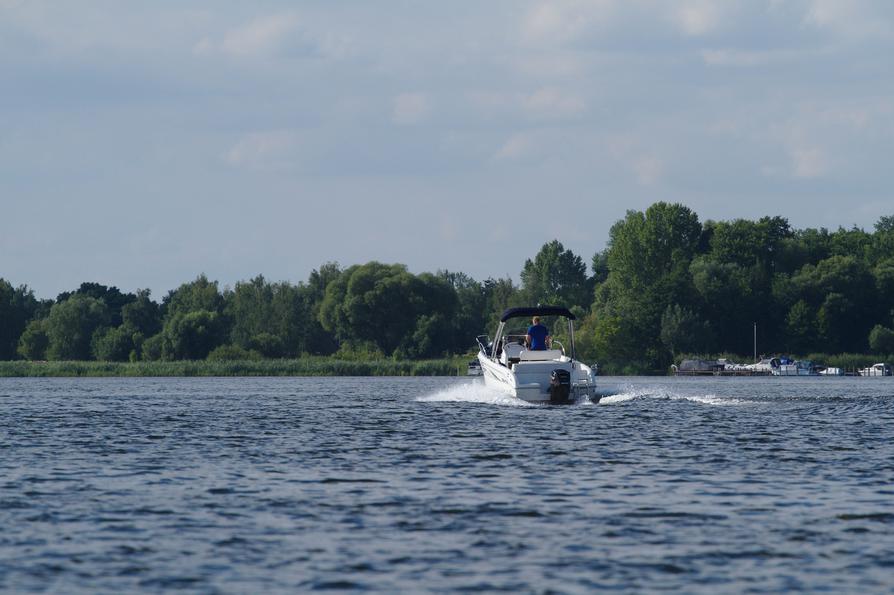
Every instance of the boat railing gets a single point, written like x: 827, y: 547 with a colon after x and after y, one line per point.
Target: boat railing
x: 484, y: 344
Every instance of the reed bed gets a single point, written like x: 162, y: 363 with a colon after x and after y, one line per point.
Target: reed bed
x: 315, y: 366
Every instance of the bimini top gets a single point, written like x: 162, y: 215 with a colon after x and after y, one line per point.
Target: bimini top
x: 537, y: 311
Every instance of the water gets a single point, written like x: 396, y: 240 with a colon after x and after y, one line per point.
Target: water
x: 436, y: 485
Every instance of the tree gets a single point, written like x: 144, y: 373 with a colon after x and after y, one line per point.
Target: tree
x: 500, y: 294
x: 34, y: 340
x: 649, y: 256
x: 111, y: 296
x: 276, y: 319
x: 71, y: 324
x: 881, y: 340
x: 801, y: 328
x: 600, y: 267
x: 843, y: 292
x: 142, y: 314
x: 381, y: 304
x: 17, y: 306
x: 746, y: 242
x: 194, y: 296
x: 113, y: 344
x: 471, y: 310
x: 192, y: 335
x: 683, y: 332
x: 555, y: 276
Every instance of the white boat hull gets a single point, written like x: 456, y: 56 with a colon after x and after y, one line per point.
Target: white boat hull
x: 530, y: 381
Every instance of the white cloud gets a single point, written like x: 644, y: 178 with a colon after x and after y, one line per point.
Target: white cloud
x: 262, y: 36
x: 739, y: 58
x: 648, y: 170
x: 808, y: 162
x: 854, y: 18
x: 262, y: 150
x: 517, y: 146
x: 561, y: 21
x: 553, y: 103
x: 696, y: 17
x: 410, y: 108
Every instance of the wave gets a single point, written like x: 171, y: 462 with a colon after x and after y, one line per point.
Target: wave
x: 477, y: 392
x: 474, y: 392
x: 629, y: 393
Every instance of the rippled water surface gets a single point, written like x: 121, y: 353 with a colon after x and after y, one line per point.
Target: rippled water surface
x: 433, y: 484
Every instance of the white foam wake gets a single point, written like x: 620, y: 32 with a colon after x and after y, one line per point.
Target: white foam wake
x: 474, y: 392
x: 628, y: 393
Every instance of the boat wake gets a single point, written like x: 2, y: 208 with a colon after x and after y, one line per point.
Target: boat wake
x: 629, y: 393
x: 474, y: 392
x: 477, y: 392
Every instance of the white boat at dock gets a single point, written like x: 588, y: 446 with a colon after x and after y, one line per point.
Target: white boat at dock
x: 876, y: 370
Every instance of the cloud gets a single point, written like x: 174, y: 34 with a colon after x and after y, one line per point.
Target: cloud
x: 807, y: 162
x: 517, y: 146
x: 410, y: 108
x: 562, y: 21
x: 262, y: 150
x: 263, y: 36
x: 696, y: 17
x: 552, y: 103
x: 648, y: 170
x: 853, y: 18
x: 738, y: 58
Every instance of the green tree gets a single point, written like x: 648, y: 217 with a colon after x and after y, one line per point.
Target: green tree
x: 192, y: 335
x: 34, y: 340
x: 200, y: 294
x: 843, y: 292
x: 71, y: 324
x: 113, y: 344
x: 471, y: 318
x: 649, y: 256
x: 381, y: 304
x: 881, y: 340
x: 683, y: 332
x: 152, y: 348
x: 801, y: 329
x: 17, y: 306
x: 112, y: 297
x: 499, y: 294
x: 143, y: 315
x: 556, y: 276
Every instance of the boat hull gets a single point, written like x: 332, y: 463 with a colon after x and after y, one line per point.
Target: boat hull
x: 531, y: 381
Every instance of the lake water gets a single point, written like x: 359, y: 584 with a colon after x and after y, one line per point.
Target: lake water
x: 436, y: 485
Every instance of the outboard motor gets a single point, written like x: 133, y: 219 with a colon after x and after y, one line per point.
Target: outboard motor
x: 559, y: 387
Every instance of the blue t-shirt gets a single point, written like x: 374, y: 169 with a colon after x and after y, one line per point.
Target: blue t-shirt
x: 538, y: 334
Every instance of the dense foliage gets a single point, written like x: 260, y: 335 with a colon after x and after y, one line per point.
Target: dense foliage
x: 666, y: 284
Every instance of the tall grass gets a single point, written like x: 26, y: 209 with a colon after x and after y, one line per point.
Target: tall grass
x: 311, y: 366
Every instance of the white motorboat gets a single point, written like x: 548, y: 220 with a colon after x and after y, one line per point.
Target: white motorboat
x: 876, y: 370
x: 538, y: 376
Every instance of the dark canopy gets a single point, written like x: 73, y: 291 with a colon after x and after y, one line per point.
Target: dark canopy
x: 536, y: 311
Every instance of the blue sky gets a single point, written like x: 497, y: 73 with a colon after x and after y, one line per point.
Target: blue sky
x: 144, y: 143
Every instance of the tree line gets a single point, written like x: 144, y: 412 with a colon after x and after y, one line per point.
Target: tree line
x: 665, y: 284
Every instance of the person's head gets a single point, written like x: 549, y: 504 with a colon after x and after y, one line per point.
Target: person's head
x: 536, y: 320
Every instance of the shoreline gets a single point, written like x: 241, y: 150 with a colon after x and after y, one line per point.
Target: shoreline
x: 314, y: 366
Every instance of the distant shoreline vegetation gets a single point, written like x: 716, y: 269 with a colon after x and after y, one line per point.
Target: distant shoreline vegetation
x: 317, y: 366
x: 666, y: 284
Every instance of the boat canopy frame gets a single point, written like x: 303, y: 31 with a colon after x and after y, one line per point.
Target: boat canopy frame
x: 529, y: 311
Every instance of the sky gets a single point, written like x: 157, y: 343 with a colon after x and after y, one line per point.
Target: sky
x: 142, y: 144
